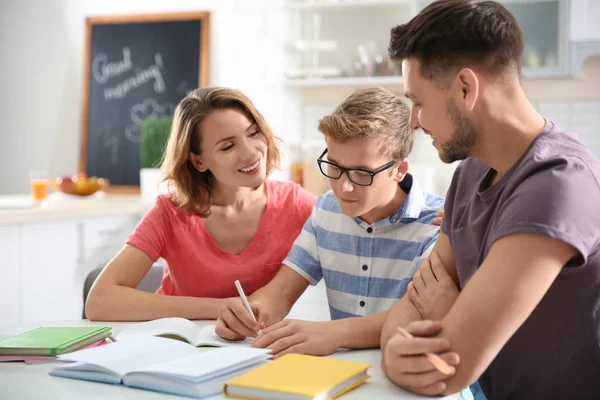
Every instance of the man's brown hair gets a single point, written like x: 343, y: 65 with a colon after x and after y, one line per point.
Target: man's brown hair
x: 193, y: 189
x: 372, y: 114
x: 448, y: 35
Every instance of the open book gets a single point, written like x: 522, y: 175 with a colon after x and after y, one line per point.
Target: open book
x: 163, y: 365
x: 181, y: 329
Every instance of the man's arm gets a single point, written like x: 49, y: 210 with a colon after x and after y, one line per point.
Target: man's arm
x: 404, y: 312
x: 513, y: 278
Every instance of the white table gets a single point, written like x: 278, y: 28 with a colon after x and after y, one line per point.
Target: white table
x: 29, y: 381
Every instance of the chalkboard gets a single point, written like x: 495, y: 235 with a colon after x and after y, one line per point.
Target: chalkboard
x: 135, y: 67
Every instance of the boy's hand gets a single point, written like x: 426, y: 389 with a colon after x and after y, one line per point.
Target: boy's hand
x: 405, y: 363
x: 439, y: 217
x: 432, y: 290
x: 295, y: 336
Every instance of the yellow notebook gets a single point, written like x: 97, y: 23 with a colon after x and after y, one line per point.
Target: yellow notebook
x: 298, y: 376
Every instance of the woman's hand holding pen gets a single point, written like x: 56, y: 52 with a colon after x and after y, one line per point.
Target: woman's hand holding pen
x: 236, y: 323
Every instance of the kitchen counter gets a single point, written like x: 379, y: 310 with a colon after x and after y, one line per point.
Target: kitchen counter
x: 19, y: 209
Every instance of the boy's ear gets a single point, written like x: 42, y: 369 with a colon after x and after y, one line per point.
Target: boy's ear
x: 196, y: 161
x: 401, y: 170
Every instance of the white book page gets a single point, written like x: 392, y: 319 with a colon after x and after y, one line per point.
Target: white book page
x: 166, y: 327
x: 130, y: 355
x: 208, y: 364
x: 208, y: 337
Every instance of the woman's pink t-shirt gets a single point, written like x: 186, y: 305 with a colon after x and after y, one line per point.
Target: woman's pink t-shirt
x: 197, y: 266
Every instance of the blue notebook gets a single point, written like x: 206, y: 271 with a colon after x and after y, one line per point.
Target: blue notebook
x: 162, y: 365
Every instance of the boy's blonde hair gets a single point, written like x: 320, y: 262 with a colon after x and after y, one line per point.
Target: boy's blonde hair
x: 193, y: 189
x: 372, y: 114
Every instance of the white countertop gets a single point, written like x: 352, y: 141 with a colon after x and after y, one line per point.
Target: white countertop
x: 19, y: 209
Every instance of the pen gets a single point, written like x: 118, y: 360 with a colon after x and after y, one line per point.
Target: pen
x: 435, y: 360
x: 238, y: 285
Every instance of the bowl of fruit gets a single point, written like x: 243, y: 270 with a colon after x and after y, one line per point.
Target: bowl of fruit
x: 79, y: 184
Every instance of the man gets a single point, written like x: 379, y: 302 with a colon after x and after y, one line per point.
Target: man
x: 521, y: 231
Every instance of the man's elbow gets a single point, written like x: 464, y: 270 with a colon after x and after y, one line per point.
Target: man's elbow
x: 463, y: 378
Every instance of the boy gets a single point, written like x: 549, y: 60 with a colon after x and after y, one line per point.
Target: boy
x: 364, y: 237
x: 520, y: 235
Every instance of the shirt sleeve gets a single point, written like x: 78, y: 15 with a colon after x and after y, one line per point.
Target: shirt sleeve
x: 449, y: 201
x: 560, y: 201
x: 304, y: 257
x: 305, y: 201
x: 426, y: 249
x: 150, y: 233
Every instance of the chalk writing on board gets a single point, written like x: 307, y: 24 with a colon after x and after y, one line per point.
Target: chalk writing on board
x: 109, y: 141
x: 102, y: 70
x: 139, y: 112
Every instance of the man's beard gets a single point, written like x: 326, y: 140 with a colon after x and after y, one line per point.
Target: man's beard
x: 463, y: 137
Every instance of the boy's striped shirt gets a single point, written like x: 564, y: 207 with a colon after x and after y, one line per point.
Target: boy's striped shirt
x: 366, y: 267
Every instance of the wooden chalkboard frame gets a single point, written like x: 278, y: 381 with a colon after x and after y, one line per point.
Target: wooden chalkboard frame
x: 202, y: 16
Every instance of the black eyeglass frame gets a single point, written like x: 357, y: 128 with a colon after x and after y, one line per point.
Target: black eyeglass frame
x: 347, y: 171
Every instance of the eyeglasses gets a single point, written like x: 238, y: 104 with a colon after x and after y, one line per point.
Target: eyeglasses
x: 358, y: 176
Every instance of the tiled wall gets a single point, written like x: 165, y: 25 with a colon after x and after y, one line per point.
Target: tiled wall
x: 581, y: 117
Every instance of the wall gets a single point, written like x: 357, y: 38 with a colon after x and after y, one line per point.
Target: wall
x: 574, y: 104
x: 42, y: 44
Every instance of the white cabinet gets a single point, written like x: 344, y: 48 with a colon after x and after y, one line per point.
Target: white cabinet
x: 9, y: 275
x: 585, y: 18
x: 101, y: 238
x: 43, y: 265
x: 51, y: 282
x: 585, y: 32
x: 343, y: 43
x: 545, y: 30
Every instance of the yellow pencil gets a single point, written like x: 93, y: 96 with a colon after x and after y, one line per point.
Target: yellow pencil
x: 435, y: 360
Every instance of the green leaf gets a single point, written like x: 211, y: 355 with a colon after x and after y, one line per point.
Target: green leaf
x: 153, y: 140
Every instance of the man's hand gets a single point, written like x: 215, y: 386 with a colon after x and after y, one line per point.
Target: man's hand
x: 295, y: 336
x: 432, y: 290
x: 405, y: 363
x: 439, y: 217
x: 235, y: 323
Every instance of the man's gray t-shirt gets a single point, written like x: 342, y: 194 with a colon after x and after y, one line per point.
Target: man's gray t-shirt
x: 552, y: 190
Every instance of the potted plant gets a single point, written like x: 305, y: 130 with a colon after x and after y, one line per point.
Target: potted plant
x: 153, y: 139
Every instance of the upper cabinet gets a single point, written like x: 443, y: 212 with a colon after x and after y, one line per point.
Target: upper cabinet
x: 545, y: 29
x: 585, y: 32
x: 545, y: 25
x: 339, y: 42
x: 343, y: 42
x: 585, y: 20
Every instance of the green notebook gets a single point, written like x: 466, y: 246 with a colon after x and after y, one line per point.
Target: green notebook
x: 52, y: 341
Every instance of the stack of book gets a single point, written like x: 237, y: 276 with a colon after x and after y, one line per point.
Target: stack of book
x: 46, y: 343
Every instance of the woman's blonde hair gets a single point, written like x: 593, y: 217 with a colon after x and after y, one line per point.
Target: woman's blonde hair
x: 193, y: 189
x: 372, y: 114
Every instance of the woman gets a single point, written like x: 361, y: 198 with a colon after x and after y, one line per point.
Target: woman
x: 222, y: 221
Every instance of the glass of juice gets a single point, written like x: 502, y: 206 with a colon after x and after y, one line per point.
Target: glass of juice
x: 40, y: 184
